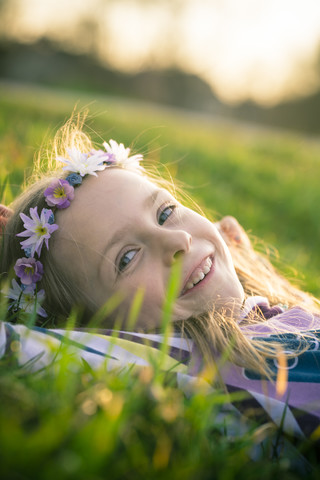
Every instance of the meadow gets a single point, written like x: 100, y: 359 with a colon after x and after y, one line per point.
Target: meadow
x: 269, y: 181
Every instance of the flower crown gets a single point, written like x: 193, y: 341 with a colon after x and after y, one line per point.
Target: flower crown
x: 39, y: 228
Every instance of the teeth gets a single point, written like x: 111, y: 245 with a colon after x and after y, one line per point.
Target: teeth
x: 199, y: 275
x: 208, y: 263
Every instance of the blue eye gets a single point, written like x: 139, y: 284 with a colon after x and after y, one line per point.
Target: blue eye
x: 126, y: 259
x: 165, y: 214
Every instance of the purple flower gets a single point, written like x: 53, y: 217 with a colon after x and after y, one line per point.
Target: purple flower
x: 59, y: 194
x: 104, y: 157
x: 74, y: 179
x: 26, y: 298
x: 110, y: 159
x: 38, y: 229
x: 29, y: 270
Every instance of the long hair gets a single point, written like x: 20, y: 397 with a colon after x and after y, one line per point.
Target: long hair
x: 61, y: 293
x: 216, y: 332
x: 211, y: 331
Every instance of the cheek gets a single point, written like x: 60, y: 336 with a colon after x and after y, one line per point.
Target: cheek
x: 201, y: 227
x: 152, y: 286
x: 149, y: 283
x: 195, y: 220
x: 149, y: 314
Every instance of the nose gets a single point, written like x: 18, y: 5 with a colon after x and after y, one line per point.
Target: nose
x: 174, y: 243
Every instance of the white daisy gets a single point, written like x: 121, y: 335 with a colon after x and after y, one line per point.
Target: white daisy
x: 121, y: 154
x: 82, y: 163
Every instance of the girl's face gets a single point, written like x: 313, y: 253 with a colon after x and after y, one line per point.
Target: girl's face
x: 122, y: 232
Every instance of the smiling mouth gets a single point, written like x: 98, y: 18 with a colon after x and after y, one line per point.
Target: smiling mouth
x: 198, y: 275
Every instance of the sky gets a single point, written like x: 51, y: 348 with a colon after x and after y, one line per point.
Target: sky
x: 264, y: 50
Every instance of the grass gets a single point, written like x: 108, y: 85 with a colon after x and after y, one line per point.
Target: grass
x: 93, y: 424
x: 269, y: 181
x: 120, y: 426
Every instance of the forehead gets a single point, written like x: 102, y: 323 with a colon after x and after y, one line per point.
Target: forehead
x: 103, y: 200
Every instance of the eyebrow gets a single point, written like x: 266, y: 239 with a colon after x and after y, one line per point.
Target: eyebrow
x: 118, y: 235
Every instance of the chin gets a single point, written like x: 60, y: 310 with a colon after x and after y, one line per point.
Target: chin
x: 229, y: 304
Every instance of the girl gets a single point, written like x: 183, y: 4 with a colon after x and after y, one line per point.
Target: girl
x: 101, y: 226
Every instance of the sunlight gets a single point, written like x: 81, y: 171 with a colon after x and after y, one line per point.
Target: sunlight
x: 136, y: 35
x: 243, y: 48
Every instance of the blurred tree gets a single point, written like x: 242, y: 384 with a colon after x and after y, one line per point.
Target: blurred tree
x: 8, y: 9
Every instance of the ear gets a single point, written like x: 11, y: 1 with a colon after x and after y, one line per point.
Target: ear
x: 232, y: 232
x: 5, y: 214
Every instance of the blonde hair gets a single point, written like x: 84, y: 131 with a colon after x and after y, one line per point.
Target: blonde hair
x: 212, y: 331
